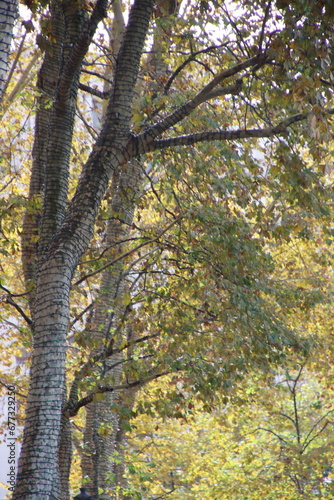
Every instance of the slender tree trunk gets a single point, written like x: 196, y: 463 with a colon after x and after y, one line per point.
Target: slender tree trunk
x: 98, y: 466
x: 8, y: 14
x: 99, y: 469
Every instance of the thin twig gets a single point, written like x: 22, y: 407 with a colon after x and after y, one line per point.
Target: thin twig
x: 187, y: 61
x: 9, y: 300
x: 126, y: 254
x: 10, y: 388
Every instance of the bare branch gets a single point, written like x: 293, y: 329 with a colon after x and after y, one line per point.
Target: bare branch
x: 9, y: 300
x: 96, y: 92
x: 10, y: 388
x: 98, y: 75
x: 265, y: 19
x: 308, y: 439
x: 81, y: 314
x: 13, y: 294
x: 92, y: 132
x: 189, y: 60
x: 284, y: 415
x: 280, y: 438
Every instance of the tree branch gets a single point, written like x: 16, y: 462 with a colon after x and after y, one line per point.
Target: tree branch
x: 8, y: 298
x: 229, y: 90
x: 306, y: 444
x: 80, y: 315
x: 146, y: 146
x: 308, y: 440
x: 187, y: 108
x: 280, y: 438
x: 92, y: 91
x: 9, y: 387
x: 187, y: 61
x: 264, y: 22
x: 71, y: 411
x: 126, y: 254
x: 187, y: 140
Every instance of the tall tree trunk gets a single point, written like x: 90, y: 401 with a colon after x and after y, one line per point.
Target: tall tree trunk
x: 64, y: 237
x: 38, y: 473
x: 46, y: 84
x: 98, y: 467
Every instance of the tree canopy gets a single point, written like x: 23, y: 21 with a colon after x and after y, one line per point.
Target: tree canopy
x: 166, y: 240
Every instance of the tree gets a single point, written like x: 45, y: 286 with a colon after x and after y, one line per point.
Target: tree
x: 270, y: 439
x: 8, y: 14
x: 270, y: 436
x: 250, y: 76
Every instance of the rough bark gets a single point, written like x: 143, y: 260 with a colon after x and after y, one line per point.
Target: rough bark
x: 8, y: 14
x: 38, y: 471
x: 46, y: 83
x: 64, y: 238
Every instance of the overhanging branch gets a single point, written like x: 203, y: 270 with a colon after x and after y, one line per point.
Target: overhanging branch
x: 8, y: 298
x: 189, y: 60
x: 224, y: 135
x: 185, y: 110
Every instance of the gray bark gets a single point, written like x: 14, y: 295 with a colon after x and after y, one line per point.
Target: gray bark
x: 8, y: 14
x: 64, y: 238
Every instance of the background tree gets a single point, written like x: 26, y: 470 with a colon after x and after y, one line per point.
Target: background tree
x: 272, y: 439
x: 8, y: 14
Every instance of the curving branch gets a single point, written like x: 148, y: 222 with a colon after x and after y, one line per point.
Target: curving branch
x: 232, y: 135
x: 10, y: 388
x: 19, y: 309
x: 126, y: 254
x: 8, y: 298
x: 308, y: 439
x: 187, y: 108
x: 189, y: 59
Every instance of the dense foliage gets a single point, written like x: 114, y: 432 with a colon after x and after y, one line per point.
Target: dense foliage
x: 166, y: 240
